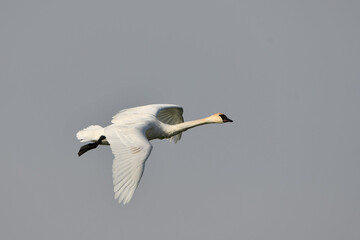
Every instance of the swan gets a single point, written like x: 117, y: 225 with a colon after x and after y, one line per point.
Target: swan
x: 129, y: 136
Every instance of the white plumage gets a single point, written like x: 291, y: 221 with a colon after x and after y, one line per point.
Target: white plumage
x: 129, y: 136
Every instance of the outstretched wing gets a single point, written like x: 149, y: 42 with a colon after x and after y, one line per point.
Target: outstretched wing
x: 167, y: 113
x: 131, y: 149
x: 171, y: 115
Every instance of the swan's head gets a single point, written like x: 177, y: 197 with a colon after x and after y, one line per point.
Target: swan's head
x: 220, y: 118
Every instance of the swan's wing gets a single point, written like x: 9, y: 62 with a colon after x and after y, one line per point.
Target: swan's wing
x: 131, y: 149
x: 171, y: 115
x: 152, y: 109
x: 167, y: 113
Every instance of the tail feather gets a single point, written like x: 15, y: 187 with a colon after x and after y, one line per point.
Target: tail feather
x: 91, y: 133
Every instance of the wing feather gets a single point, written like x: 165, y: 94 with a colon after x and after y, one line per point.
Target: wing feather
x: 167, y: 113
x: 171, y: 116
x: 131, y: 149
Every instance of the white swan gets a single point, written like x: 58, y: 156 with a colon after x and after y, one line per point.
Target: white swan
x: 129, y: 135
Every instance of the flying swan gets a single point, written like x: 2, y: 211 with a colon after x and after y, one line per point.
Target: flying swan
x: 129, y: 136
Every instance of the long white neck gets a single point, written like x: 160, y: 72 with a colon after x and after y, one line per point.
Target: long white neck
x: 181, y: 127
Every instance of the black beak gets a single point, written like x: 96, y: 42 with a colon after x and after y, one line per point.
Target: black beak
x: 227, y: 120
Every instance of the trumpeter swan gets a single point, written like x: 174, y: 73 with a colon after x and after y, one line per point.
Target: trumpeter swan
x: 129, y: 136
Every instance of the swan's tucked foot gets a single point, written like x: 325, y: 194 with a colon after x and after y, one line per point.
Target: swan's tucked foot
x: 90, y: 146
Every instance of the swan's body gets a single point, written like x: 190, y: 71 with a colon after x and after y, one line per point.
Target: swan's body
x: 129, y: 136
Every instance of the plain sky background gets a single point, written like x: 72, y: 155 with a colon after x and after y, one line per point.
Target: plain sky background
x: 286, y: 72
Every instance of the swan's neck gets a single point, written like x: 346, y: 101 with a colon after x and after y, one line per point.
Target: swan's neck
x: 181, y: 127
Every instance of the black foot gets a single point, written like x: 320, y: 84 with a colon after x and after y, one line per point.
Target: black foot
x: 90, y: 146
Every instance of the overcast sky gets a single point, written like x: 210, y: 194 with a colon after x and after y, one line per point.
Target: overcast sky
x: 286, y: 72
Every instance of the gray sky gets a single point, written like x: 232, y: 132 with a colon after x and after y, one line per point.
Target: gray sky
x: 287, y: 73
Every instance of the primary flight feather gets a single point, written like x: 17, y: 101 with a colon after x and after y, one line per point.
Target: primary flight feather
x: 129, y: 136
